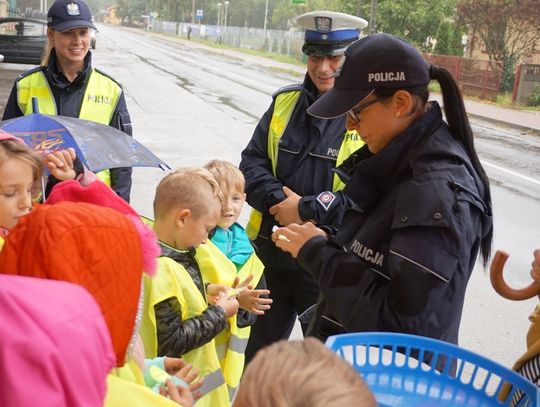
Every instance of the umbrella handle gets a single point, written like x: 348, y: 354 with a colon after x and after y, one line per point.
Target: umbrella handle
x: 502, y: 288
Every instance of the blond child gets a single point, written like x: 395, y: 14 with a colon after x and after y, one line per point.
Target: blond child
x: 301, y: 373
x: 231, y: 239
x: 21, y: 170
x: 177, y: 319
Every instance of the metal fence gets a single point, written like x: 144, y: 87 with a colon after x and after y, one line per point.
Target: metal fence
x: 527, y: 83
x: 281, y: 42
x: 475, y: 77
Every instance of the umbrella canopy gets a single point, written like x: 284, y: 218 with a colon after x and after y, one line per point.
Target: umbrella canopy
x: 98, y: 146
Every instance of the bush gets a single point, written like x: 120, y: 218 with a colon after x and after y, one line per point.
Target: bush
x: 534, y: 98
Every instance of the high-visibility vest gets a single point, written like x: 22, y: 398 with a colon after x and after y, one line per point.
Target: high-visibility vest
x: 231, y: 343
x: 122, y: 392
x: 283, y: 109
x: 173, y: 280
x: 98, y: 105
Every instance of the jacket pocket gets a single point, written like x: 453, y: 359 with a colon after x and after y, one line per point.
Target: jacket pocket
x: 422, y: 228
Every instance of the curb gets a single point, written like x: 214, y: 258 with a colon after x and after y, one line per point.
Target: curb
x: 503, y: 123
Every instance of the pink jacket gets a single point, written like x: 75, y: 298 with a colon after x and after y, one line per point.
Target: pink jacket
x: 55, y: 348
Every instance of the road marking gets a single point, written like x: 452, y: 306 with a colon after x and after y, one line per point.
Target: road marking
x: 515, y: 174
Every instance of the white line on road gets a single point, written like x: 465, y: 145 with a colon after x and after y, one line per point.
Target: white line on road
x: 515, y: 174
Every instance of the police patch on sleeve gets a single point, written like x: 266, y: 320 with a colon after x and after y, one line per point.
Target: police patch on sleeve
x: 325, y: 199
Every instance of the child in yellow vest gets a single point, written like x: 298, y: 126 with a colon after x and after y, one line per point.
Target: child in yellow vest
x: 231, y: 239
x: 177, y: 319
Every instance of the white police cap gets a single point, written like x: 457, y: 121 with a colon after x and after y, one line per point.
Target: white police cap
x: 329, y: 32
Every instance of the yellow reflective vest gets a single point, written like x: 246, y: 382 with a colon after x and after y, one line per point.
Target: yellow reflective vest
x: 122, y: 393
x: 283, y: 109
x: 98, y: 105
x: 231, y: 343
x: 173, y: 280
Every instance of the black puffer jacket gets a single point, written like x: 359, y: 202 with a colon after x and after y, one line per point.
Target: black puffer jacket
x: 402, y: 260
x: 177, y: 337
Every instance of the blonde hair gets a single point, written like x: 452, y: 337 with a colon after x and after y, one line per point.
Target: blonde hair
x: 13, y: 149
x: 187, y: 188
x: 301, y: 373
x: 227, y: 174
x: 47, y: 50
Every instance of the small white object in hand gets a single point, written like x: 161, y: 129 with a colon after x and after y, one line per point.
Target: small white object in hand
x: 283, y: 237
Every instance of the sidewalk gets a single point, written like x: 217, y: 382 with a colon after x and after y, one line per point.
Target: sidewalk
x: 525, y: 121
x: 528, y: 122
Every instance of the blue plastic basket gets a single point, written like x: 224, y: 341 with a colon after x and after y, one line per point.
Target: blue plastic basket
x: 389, y: 364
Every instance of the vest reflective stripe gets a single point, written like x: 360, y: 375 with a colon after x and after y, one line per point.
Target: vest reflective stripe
x: 212, y: 381
x: 173, y: 280
x: 283, y: 109
x: 231, y: 343
x: 98, y: 105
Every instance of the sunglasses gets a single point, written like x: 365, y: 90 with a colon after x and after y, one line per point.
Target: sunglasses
x: 353, y: 113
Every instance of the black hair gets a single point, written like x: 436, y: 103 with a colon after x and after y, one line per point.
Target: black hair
x: 460, y: 128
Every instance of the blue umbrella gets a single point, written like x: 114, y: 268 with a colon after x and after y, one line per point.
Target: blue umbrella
x: 97, y: 145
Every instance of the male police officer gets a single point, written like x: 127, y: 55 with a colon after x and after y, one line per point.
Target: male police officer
x: 288, y: 169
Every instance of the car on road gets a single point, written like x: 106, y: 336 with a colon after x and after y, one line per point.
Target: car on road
x: 22, y: 40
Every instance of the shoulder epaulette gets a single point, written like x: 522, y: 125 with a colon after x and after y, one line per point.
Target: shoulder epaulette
x: 289, y: 88
x: 30, y: 72
x: 108, y: 76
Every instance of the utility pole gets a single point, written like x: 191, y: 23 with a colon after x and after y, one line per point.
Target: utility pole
x: 265, y: 19
x: 193, y: 12
x: 373, y: 18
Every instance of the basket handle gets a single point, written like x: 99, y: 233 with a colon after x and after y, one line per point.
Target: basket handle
x: 498, y: 283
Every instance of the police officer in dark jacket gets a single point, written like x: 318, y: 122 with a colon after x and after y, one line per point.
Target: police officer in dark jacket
x: 288, y: 169
x: 66, y: 83
x: 402, y: 259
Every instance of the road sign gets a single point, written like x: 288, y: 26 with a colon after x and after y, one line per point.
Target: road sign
x: 298, y: 1
x: 200, y: 14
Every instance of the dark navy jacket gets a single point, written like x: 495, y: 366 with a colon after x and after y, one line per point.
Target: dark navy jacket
x: 307, y: 154
x: 402, y: 260
x: 68, y: 97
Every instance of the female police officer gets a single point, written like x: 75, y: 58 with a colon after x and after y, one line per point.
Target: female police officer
x: 67, y: 84
x: 402, y: 260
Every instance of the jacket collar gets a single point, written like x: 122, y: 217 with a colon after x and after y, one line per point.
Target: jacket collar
x: 371, y: 174
x: 59, y: 80
x: 175, y: 254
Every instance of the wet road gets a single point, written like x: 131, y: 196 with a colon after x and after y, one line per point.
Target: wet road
x: 190, y: 105
x: 241, y: 89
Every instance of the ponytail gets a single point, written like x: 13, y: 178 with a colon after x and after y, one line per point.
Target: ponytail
x: 458, y: 122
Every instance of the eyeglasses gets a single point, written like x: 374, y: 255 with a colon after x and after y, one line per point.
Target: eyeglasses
x: 353, y: 113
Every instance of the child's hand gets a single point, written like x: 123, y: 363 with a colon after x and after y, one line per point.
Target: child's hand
x: 241, y: 284
x: 178, y: 394
x: 251, y: 301
x: 229, y: 305
x: 186, y: 372
x: 213, y: 291
x: 60, y: 164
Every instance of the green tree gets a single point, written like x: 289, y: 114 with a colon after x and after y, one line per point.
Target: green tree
x: 449, y: 39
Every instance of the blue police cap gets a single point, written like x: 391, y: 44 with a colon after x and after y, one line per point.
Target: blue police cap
x: 328, y: 32
x: 67, y: 14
